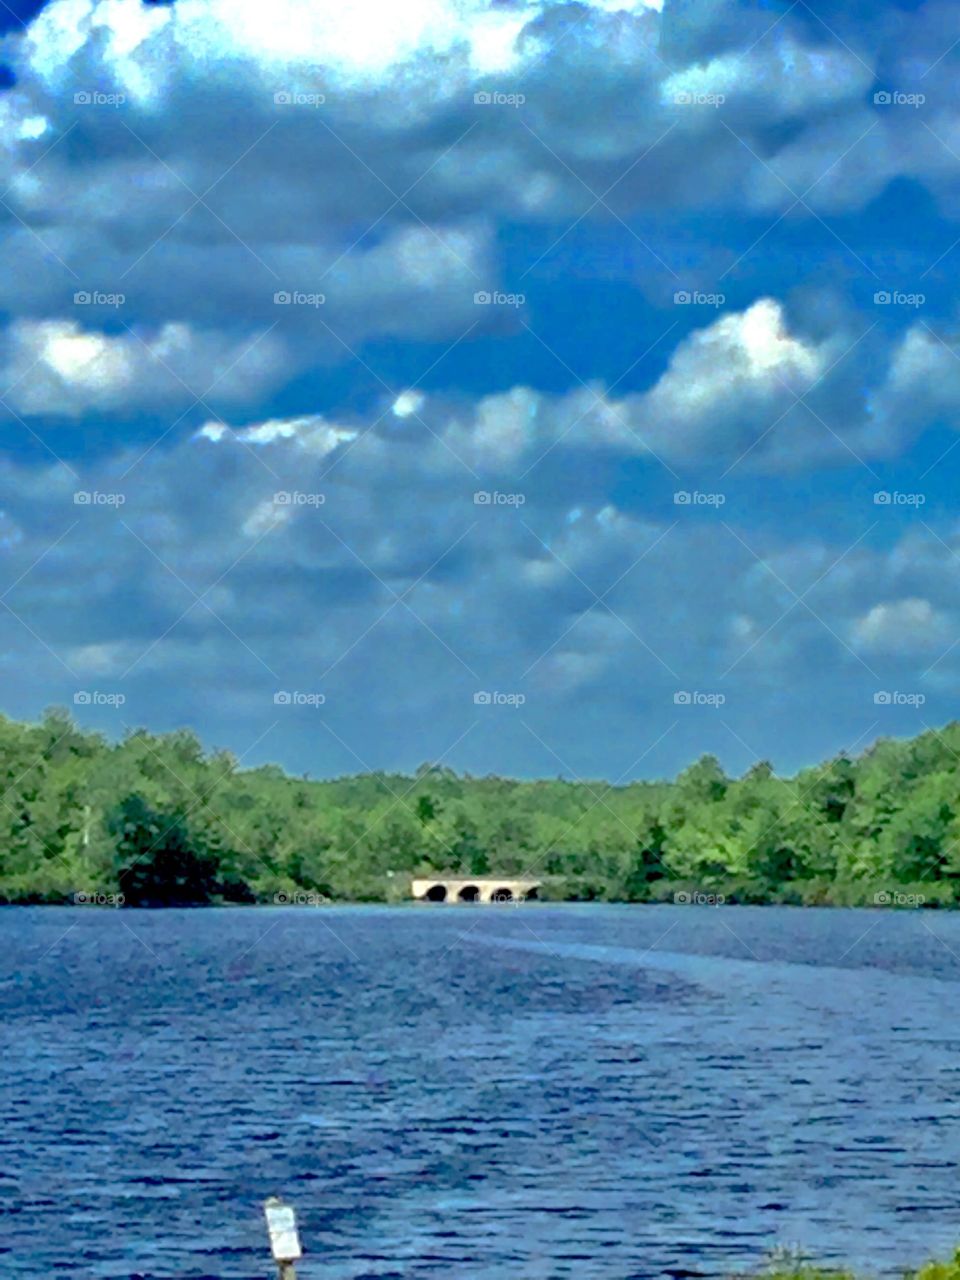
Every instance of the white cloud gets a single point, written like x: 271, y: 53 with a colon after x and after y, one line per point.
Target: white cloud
x: 356, y: 44
x: 59, y: 367
x: 729, y: 394
x: 103, y: 659
x: 264, y: 517
x: 399, y: 116
x: 910, y: 625
x: 388, y: 197
x: 727, y: 381
x: 589, y: 617
x: 312, y: 433
x: 783, y: 77
x: 408, y: 402
x: 725, y: 386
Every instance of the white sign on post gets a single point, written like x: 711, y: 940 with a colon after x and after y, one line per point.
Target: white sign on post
x: 282, y: 1226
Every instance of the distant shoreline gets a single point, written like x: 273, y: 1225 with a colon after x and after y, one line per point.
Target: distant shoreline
x: 156, y: 821
x: 410, y: 904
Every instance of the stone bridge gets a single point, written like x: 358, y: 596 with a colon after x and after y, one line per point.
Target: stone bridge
x: 475, y: 889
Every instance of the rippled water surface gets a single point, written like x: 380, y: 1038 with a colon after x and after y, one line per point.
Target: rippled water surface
x: 484, y: 1092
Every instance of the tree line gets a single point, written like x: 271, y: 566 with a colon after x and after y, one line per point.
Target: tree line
x: 156, y: 820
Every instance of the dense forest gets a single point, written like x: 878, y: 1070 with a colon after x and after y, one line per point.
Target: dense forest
x: 156, y: 820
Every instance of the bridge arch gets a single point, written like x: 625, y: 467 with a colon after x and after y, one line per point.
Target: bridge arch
x: 454, y: 889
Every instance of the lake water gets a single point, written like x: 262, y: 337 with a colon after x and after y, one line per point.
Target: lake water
x: 500, y: 1093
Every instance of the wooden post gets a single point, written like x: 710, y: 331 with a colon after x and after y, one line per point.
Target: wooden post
x: 284, y: 1238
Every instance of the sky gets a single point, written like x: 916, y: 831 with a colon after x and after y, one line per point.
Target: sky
x: 531, y: 388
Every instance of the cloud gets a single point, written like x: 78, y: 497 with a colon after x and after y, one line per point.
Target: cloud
x: 408, y: 402
x: 922, y: 381
x: 378, y: 574
x: 359, y: 45
x: 59, y: 367
x: 777, y: 81
x: 299, y: 205
x: 727, y: 383
x: 312, y: 433
x: 362, y: 177
x: 746, y: 388
x: 743, y: 388
x: 384, y: 131
x: 907, y: 626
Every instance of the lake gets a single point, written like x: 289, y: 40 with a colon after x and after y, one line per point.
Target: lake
x: 498, y: 1093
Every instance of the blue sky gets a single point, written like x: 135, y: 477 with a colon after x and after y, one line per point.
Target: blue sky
x: 250, y: 389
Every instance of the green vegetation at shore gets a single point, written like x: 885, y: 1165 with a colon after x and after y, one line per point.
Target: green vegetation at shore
x: 161, y: 822
x: 799, y: 1271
